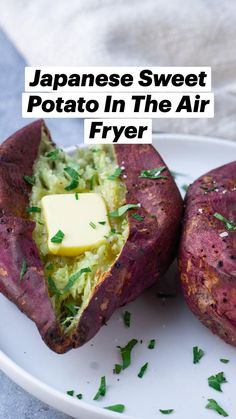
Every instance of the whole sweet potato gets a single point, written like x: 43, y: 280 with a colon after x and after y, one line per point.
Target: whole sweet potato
x: 146, y: 255
x: 207, y: 255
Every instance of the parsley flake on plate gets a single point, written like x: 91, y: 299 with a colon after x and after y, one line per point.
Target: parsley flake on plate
x: 117, y: 369
x: 70, y: 393
x: 197, y: 354
x: 115, y: 174
x: 102, y: 389
x: 76, y: 196
x: 166, y: 411
x: 229, y: 225
x: 119, y: 408
x: 151, y: 344
x: 79, y: 396
x: 126, y: 353
x: 212, y: 404
x: 185, y: 187
x: 126, y: 318
x: 92, y: 225
x: 122, y: 210
x: 23, y: 270
x: 73, y: 278
x: 102, y: 223
x: 224, y: 361
x: 154, y: 173
x: 29, y: 179
x: 142, y: 370
x: 215, y: 381
x: 59, y: 236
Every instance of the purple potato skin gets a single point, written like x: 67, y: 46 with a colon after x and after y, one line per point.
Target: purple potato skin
x: 207, y: 261
x: 145, y: 257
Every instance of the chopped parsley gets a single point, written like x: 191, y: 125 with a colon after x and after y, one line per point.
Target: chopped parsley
x: 126, y: 318
x: 215, y: 381
x: 59, y: 236
x: 152, y: 344
x: 53, y: 155
x: 117, y: 369
x: 23, y: 270
x: 74, y: 176
x: 70, y: 393
x: 197, y: 354
x: 224, y: 361
x: 33, y: 209
x: 122, y: 210
x: 119, y: 408
x: 52, y: 286
x: 102, y: 389
x: 126, y: 353
x: 212, y: 404
x: 115, y: 174
x: 142, y: 370
x: 185, y: 187
x: 76, y: 196
x: 102, y: 223
x: 229, y: 225
x: 154, y: 173
x: 71, y: 308
x: 73, y: 278
x: 49, y: 266
x: 166, y: 411
x: 29, y: 179
x: 175, y: 174
x: 92, y: 225
x: 137, y: 216
x: 79, y: 396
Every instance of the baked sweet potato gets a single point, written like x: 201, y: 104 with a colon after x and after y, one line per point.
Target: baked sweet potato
x: 207, y: 254
x: 141, y: 245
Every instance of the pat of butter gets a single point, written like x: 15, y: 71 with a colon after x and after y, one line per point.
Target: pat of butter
x: 78, y: 219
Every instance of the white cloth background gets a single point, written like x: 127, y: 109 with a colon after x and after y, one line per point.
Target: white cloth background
x: 135, y: 32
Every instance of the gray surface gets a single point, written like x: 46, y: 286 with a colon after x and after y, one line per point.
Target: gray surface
x: 15, y: 402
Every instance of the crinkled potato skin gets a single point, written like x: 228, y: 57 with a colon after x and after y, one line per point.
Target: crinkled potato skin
x: 207, y: 261
x: 146, y: 255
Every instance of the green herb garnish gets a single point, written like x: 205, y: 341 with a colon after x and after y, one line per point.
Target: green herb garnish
x: 102, y: 222
x: 117, y: 369
x: 92, y: 225
x: 102, y: 389
x: 59, y: 236
x: 167, y: 411
x: 212, y: 404
x: 126, y: 353
x: 143, y: 370
x: 152, y: 344
x: 215, y: 381
x: 197, y: 354
x: 122, y: 210
x: 175, y: 174
x: 33, y: 209
x: 53, y: 154
x: 23, y: 270
x: 52, y: 286
x: 229, y: 225
x: 126, y: 318
x: 185, y: 187
x: 224, y: 361
x: 29, y: 179
x: 72, y: 185
x: 119, y: 408
x: 71, y: 308
x: 137, y: 216
x: 73, y: 278
x: 76, y: 196
x: 70, y: 392
x: 49, y: 266
x: 79, y: 396
x: 154, y: 173
x: 115, y: 174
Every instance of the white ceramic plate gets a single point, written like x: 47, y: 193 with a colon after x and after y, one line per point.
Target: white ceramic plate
x: 171, y: 381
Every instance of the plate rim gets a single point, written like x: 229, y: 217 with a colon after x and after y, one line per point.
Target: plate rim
x: 44, y: 391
